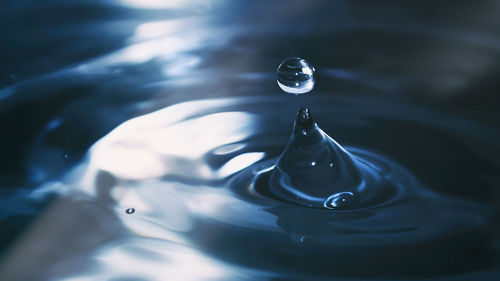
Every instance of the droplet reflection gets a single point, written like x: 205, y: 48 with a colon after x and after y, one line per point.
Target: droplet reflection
x: 339, y: 200
x: 295, y: 76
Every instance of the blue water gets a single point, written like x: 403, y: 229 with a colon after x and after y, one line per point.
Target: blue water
x: 172, y: 110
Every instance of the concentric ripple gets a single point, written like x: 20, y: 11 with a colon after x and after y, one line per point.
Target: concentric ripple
x: 199, y: 174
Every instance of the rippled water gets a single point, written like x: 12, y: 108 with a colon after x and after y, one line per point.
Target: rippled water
x: 139, y: 140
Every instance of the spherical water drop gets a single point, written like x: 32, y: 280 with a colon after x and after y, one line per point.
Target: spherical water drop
x: 295, y: 76
x: 339, y: 200
x: 130, y: 211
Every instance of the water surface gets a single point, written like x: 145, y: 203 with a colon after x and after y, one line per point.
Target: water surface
x: 415, y: 84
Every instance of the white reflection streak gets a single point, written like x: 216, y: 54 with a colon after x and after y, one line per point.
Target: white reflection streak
x: 159, y: 48
x: 159, y: 29
x: 239, y: 163
x: 137, y: 163
x: 162, y: 48
x: 163, y: 40
x: 193, y: 138
x: 142, y: 147
x: 141, y: 150
x: 230, y: 148
x: 182, y: 65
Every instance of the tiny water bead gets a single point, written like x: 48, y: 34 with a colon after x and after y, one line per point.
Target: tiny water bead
x: 130, y: 211
x: 339, y: 200
x: 295, y: 76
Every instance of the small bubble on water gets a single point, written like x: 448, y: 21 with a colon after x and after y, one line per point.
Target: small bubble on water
x: 339, y: 200
x: 66, y: 156
x: 130, y: 211
x: 295, y: 76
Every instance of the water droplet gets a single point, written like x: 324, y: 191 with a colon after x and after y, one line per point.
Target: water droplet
x: 130, y: 211
x: 295, y: 76
x: 331, y: 165
x: 66, y: 156
x: 339, y: 200
x: 303, y: 173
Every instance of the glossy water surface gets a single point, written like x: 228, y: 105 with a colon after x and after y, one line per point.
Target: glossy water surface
x: 140, y: 140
